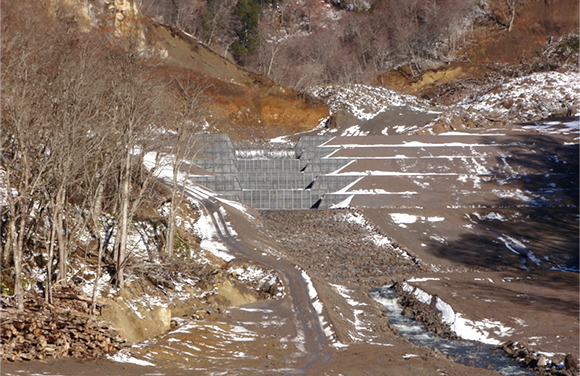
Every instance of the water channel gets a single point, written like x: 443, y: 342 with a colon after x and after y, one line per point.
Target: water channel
x: 468, y: 353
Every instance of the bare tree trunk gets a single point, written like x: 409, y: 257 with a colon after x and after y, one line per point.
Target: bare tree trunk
x: 124, y: 225
x: 48, y: 284
x: 274, y: 52
x: 17, y: 251
x: 58, y: 223
x: 170, y: 241
x: 512, y: 7
x: 96, y: 214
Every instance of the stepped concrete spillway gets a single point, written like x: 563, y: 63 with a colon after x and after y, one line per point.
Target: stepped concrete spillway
x: 272, y: 178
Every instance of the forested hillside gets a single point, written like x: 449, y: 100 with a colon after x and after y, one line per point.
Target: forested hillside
x: 307, y: 42
x: 79, y: 112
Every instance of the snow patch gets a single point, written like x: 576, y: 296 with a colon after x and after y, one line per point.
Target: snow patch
x: 125, y: 357
x: 318, y: 307
x: 472, y: 330
x: 366, y: 102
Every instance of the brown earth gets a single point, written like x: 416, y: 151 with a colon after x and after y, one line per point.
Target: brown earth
x: 244, y: 104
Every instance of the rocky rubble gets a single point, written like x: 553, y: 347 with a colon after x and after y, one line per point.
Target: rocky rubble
x: 539, y: 362
x: 53, y: 332
x: 332, y: 247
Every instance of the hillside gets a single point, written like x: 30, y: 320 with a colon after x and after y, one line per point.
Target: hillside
x: 243, y: 103
x: 401, y: 44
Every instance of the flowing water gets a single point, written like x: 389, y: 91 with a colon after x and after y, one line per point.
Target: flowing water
x: 469, y: 353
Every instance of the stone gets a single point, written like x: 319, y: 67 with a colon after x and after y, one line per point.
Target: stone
x: 571, y: 362
x: 542, y: 361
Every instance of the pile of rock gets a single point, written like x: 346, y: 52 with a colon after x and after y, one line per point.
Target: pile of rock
x: 326, y: 244
x: 539, y: 362
x: 427, y: 314
x: 56, y: 335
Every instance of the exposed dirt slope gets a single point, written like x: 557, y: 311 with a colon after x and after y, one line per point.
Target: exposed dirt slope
x: 244, y: 104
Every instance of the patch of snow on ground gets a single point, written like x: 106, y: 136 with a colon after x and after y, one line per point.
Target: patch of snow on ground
x: 262, y: 278
x: 524, y: 196
x: 238, y: 206
x: 423, y: 279
x: 124, y: 356
x: 362, y: 331
x: 381, y: 192
x: 101, y: 284
x: 317, y: 304
x: 490, y: 217
x: 403, y: 218
x: 472, y: 330
x: 422, y: 296
x: 438, y: 238
x: 280, y: 140
x: 373, y: 234
x: 205, y: 230
x: 343, y: 204
x: 228, y: 224
x: 513, y: 245
x: 538, y: 95
x: 354, y: 131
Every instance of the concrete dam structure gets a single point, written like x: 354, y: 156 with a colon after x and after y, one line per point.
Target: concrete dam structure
x: 272, y: 178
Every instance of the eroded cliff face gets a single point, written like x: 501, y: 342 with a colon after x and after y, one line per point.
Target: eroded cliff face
x: 242, y: 103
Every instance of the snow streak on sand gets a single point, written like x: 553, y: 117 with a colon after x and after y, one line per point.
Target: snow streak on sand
x: 421, y: 295
x: 317, y: 304
x: 402, y: 218
x: 472, y: 330
x: 125, y: 357
x: 363, y: 331
x: 480, y: 331
x: 519, y: 248
x: 343, y: 204
x: 238, y: 206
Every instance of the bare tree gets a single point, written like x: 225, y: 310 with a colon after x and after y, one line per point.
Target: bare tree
x: 217, y: 21
x: 188, y: 100
x: 25, y: 133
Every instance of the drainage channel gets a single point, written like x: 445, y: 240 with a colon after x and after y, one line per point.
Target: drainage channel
x: 468, y: 353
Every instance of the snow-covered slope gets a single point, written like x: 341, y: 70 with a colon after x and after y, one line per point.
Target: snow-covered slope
x: 532, y: 97
x: 364, y: 101
x: 529, y: 98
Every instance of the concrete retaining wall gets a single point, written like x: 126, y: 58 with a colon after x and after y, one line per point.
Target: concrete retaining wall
x: 282, y: 178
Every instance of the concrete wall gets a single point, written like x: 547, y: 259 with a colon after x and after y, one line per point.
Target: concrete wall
x: 288, y: 178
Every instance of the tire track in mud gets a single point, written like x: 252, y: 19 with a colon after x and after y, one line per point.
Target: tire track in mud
x: 316, y: 345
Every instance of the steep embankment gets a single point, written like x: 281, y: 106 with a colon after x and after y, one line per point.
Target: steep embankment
x: 244, y: 104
